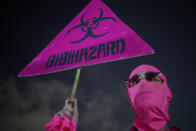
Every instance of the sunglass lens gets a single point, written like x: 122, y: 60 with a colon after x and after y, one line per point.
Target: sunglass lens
x: 134, y: 80
x: 150, y: 76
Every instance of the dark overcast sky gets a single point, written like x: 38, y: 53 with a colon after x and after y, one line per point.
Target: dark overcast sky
x: 28, y: 26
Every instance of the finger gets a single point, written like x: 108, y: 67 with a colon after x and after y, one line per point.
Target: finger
x: 67, y: 106
x: 75, y: 106
x: 70, y: 102
x: 75, y: 103
x: 75, y: 115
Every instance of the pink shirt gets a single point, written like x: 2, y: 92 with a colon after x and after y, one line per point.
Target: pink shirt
x: 59, y: 124
x: 173, y: 128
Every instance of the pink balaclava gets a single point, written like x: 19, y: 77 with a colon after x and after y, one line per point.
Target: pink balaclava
x: 150, y: 101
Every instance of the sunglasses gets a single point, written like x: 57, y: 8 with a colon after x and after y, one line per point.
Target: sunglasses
x: 149, y: 76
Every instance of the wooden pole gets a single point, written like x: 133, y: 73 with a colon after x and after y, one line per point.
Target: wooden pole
x: 73, y: 94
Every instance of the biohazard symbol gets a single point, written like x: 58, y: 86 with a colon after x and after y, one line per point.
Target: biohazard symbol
x: 89, y: 25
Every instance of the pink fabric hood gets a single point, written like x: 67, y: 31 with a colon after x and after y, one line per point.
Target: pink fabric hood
x: 150, y: 101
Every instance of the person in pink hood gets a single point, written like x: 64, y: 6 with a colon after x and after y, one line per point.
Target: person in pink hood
x: 149, y: 96
x: 66, y: 119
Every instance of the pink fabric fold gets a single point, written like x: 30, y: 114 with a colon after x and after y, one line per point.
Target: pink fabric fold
x: 59, y: 124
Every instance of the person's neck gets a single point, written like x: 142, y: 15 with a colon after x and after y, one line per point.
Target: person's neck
x: 165, y: 128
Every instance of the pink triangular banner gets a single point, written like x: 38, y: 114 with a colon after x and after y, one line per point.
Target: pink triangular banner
x: 96, y: 35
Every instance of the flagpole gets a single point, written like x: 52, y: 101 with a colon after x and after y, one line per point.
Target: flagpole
x: 73, y: 94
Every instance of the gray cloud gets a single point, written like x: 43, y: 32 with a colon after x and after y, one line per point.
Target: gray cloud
x: 28, y: 104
